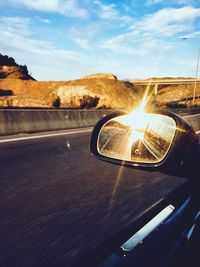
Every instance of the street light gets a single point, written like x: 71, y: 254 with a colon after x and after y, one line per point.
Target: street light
x: 197, y: 68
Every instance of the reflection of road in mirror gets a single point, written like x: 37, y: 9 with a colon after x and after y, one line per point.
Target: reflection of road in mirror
x: 127, y: 138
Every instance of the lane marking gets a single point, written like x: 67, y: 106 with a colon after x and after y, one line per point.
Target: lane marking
x: 42, y: 136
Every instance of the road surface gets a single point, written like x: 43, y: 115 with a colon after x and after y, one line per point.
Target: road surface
x: 57, y: 201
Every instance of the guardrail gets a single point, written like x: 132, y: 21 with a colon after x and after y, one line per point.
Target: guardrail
x: 15, y: 121
x: 29, y: 121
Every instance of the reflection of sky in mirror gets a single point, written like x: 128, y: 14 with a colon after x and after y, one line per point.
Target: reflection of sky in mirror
x: 163, y: 126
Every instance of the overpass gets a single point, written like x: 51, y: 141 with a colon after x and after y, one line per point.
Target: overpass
x: 165, y: 81
x: 155, y: 82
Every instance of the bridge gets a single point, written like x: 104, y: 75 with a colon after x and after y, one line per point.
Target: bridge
x: 165, y: 81
x: 155, y: 82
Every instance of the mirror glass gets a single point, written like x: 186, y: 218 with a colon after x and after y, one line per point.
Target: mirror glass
x: 138, y: 137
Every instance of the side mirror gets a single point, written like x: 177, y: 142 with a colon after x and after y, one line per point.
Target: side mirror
x: 159, y: 140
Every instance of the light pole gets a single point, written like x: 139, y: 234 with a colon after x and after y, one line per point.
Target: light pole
x: 197, y: 69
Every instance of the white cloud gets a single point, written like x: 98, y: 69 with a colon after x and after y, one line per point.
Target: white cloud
x: 88, y: 31
x: 46, y: 21
x: 192, y: 35
x: 106, y: 11
x: 135, y: 51
x: 15, y: 25
x: 136, y: 46
x: 82, y: 42
x: 148, y: 43
x: 168, y: 21
x: 109, y: 12
x: 84, y: 36
x: 64, y: 7
x: 153, y: 2
x: 16, y: 39
x: 34, y: 46
x: 179, y: 2
x: 184, y: 2
x: 156, y: 26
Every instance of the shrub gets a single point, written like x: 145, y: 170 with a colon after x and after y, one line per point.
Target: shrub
x: 104, y: 107
x: 56, y: 102
x: 7, y: 61
x: 88, y: 101
x: 176, y: 105
x: 9, y: 102
x: 2, y: 75
x: 6, y: 92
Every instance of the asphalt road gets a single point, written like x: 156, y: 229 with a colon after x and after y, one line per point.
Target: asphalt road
x: 57, y: 201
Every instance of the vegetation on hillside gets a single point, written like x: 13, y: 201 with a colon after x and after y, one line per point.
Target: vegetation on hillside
x: 7, y: 61
x: 6, y: 92
x: 89, y: 102
x: 56, y: 102
x: 10, y: 69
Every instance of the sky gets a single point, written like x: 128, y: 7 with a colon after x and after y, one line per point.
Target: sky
x: 68, y: 39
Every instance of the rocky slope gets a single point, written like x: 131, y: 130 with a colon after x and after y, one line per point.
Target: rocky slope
x: 111, y: 93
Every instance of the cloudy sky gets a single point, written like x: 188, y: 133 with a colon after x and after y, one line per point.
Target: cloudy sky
x: 67, y: 39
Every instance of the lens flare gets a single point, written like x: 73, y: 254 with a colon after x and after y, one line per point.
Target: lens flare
x: 140, y: 119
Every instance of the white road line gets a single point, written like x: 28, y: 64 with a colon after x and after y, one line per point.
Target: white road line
x: 42, y: 136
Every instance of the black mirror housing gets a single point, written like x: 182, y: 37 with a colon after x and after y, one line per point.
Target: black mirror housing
x: 179, y: 158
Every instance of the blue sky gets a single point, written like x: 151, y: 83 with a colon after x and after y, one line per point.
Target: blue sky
x: 67, y: 39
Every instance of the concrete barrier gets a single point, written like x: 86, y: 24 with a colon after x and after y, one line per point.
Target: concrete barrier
x: 16, y: 121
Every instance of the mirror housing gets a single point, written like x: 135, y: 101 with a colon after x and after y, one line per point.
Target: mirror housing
x: 177, y: 158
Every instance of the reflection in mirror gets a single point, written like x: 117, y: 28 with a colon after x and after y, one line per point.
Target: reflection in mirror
x: 137, y: 137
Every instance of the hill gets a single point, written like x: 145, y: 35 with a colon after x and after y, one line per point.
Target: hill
x: 19, y: 89
x: 101, y: 76
x: 106, y: 93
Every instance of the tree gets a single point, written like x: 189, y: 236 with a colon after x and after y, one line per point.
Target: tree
x: 88, y: 101
x: 56, y: 102
x: 4, y: 92
x: 7, y: 61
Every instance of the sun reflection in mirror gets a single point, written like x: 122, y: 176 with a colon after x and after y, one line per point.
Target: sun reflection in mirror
x: 140, y: 119
x: 140, y: 116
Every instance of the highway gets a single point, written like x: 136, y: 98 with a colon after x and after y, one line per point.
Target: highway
x: 57, y: 201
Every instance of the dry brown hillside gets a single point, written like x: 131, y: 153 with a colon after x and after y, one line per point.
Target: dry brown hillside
x: 178, y: 93
x: 111, y: 93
